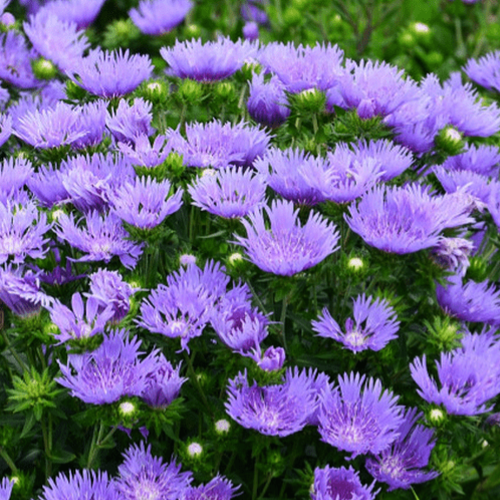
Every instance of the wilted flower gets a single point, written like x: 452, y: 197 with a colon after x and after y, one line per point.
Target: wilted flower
x: 230, y: 193
x: 156, y: 17
x: 141, y: 475
x: 359, y: 417
x: 275, y: 410
x: 401, y: 465
x: 207, y: 62
x: 333, y: 483
x: 469, y: 376
x: 110, y: 74
x: 375, y: 325
x: 219, y: 488
x: 287, y: 248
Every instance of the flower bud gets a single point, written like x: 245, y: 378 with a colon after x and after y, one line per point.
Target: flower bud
x: 192, y: 30
x: 127, y: 409
x: 44, y: 69
x: 450, y: 140
x: 355, y: 264
x: 309, y: 101
x: 190, y: 91
x: 194, y: 449
x: 222, y: 426
x: 187, y: 259
x: 272, y: 360
x: 436, y: 416
x: 155, y: 91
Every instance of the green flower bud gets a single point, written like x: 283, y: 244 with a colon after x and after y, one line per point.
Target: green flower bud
x: 355, y: 264
x: 190, y: 91
x: 292, y: 16
x: 127, y: 409
x: 194, y: 450
x: 309, y: 101
x: 155, y: 91
x: 407, y: 39
x: 222, y: 426
x: 450, y: 140
x: 225, y: 91
x: 192, y: 30
x: 44, y: 69
x: 436, y: 416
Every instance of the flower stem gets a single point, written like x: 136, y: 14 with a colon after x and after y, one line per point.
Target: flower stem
x: 8, y: 461
x: 196, y: 383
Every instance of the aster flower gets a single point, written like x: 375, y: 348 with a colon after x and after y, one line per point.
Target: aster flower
x: 219, y: 488
x: 271, y: 360
x: 145, y: 203
x: 109, y: 290
x: 55, y: 39
x: 402, y: 464
x: 250, y: 31
x: 275, y: 410
x: 47, y: 186
x: 467, y: 181
x: 144, y: 154
x: 102, y: 239
x: 207, y: 62
x: 253, y: 10
x: 22, y: 231
x: 156, y: 17
x: 216, y: 145
x: 14, y: 174
x: 93, y: 122
x: 5, y: 128
x: 267, y: 101
x: 80, y: 322
x: 470, y: 301
x: 112, y: 371
x: 494, y: 205
x: 6, y: 488
x: 453, y: 253
x: 483, y: 159
x: 469, y: 376
x: 229, y: 193
x: 183, y: 307
x: 162, y: 384
x: 373, y: 327
x: 382, y: 217
x: 130, y: 120
x: 485, y: 71
x: 80, y: 12
x: 78, y: 485
x: 287, y: 248
x: 110, y: 74
x: 340, y: 483
x: 359, y: 417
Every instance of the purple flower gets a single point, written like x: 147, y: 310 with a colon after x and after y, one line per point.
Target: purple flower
x: 453, y: 254
x: 253, y: 10
x: 267, y: 101
x: 484, y: 71
x: 156, y: 17
x: 109, y: 290
x: 79, y: 322
x: 375, y: 325
x: 251, y: 31
x: 207, y: 62
x: 110, y: 372
x: 470, y: 301
x: 272, y: 359
x: 288, y: 171
x: 5, y: 128
x: 230, y: 192
x: 219, y: 488
x: 130, y: 120
x: 102, y: 239
x: 143, y: 154
x: 469, y: 376
x: 111, y: 74
x: 484, y: 160
x: 78, y: 485
x: 275, y: 410
x: 14, y: 174
x: 93, y: 122
x: 22, y: 231
x: 216, y: 145
x: 145, y: 203
x: 287, y: 248
x: 80, y: 12
x: 401, y: 465
x: 359, y: 418
x: 56, y: 39
x: 162, y: 384
x: 340, y: 483
x: 301, y: 68
x: 467, y: 181
x: 407, y: 219
x: 141, y: 476
x: 183, y: 307
x: 494, y: 204
x: 6, y: 488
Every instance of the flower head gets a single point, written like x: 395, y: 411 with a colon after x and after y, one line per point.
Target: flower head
x: 80, y: 12
x: 287, y: 247
x: 485, y: 71
x: 14, y: 174
x: 6, y: 488
x: 219, y: 488
x: 156, y: 17
x: 143, y: 153
x: 130, y: 120
x: 483, y: 159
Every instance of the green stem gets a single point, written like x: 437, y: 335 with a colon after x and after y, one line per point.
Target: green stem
x: 14, y: 353
x: 8, y: 461
x: 255, y: 478
x: 266, y: 486
x: 96, y: 436
x: 47, y: 445
x: 194, y: 378
x: 283, y: 319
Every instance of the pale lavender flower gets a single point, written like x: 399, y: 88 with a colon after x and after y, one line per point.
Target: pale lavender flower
x: 130, y: 120
x: 250, y: 31
x: 22, y: 231
x: 112, y: 371
x: 253, y: 10
x: 80, y: 12
x: 143, y: 153
x: 109, y: 290
x: 81, y: 321
x: 163, y: 383
x: 102, y: 239
x: 14, y: 174
x: 288, y: 172
x: 288, y: 247
x: 93, y: 122
x: 301, y: 68
x: 359, y: 417
x: 470, y: 301
x: 156, y: 17
x: 47, y: 186
x: 6, y: 488
x: 483, y: 159
x: 267, y: 101
x: 332, y: 483
x: 207, y: 62
x: 407, y: 219
x: 402, y: 464
x: 477, y: 185
x: 79, y: 485
x: 219, y: 488
x: 142, y: 476
x: 5, y: 128
x: 271, y: 360
x: 469, y: 376
x: 275, y: 410
x: 453, y: 253
x: 55, y: 39
x: 494, y: 205
x: 230, y: 193
x: 111, y: 74
x: 485, y: 71
x: 374, y: 326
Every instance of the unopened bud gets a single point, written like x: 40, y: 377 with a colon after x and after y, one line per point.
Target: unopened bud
x: 222, y: 426
x: 194, y: 450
